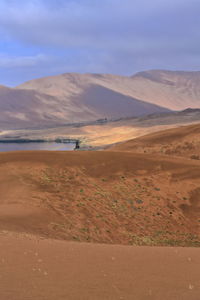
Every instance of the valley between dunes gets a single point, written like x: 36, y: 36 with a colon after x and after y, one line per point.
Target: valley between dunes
x: 111, y: 201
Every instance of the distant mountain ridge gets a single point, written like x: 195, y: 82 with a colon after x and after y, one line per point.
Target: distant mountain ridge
x: 175, y: 90
x: 74, y: 97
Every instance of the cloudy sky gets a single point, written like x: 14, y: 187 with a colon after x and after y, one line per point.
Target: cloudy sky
x: 47, y: 37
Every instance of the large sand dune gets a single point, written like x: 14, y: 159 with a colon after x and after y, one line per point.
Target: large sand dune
x: 72, y: 98
x: 41, y: 107
x: 174, y: 90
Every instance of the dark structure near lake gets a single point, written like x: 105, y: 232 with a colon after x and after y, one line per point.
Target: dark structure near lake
x: 77, y: 145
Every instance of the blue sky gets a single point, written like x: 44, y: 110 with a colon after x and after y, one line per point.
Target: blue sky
x: 46, y: 37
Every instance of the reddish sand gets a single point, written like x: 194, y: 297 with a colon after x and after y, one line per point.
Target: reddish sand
x: 183, y: 141
x: 99, y: 197
x: 56, y: 270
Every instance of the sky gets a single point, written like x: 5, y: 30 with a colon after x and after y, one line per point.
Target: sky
x: 47, y: 37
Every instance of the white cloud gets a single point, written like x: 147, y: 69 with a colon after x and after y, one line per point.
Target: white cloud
x: 105, y: 24
x: 112, y: 36
x: 21, y: 61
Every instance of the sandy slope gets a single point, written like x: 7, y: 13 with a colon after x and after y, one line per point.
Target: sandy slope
x: 182, y: 141
x: 109, y: 197
x: 49, y: 200
x: 57, y: 270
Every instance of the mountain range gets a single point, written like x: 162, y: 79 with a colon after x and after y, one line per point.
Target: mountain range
x: 73, y: 97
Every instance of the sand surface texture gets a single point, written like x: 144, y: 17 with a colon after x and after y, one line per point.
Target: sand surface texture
x: 55, y: 270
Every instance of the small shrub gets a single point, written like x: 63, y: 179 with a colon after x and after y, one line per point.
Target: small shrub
x: 196, y: 157
x: 139, y: 201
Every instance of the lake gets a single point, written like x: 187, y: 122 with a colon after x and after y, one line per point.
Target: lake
x: 5, y: 147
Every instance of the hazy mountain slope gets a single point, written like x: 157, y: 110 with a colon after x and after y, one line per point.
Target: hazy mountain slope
x: 110, y: 104
x: 22, y: 108
x: 2, y: 87
x: 70, y: 98
x: 174, y: 90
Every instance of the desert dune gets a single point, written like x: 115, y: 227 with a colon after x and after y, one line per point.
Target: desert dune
x: 90, y: 224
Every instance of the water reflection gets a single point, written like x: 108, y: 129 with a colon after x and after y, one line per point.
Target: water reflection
x: 5, y: 147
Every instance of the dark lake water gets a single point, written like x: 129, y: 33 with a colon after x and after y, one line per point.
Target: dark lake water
x: 5, y: 147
